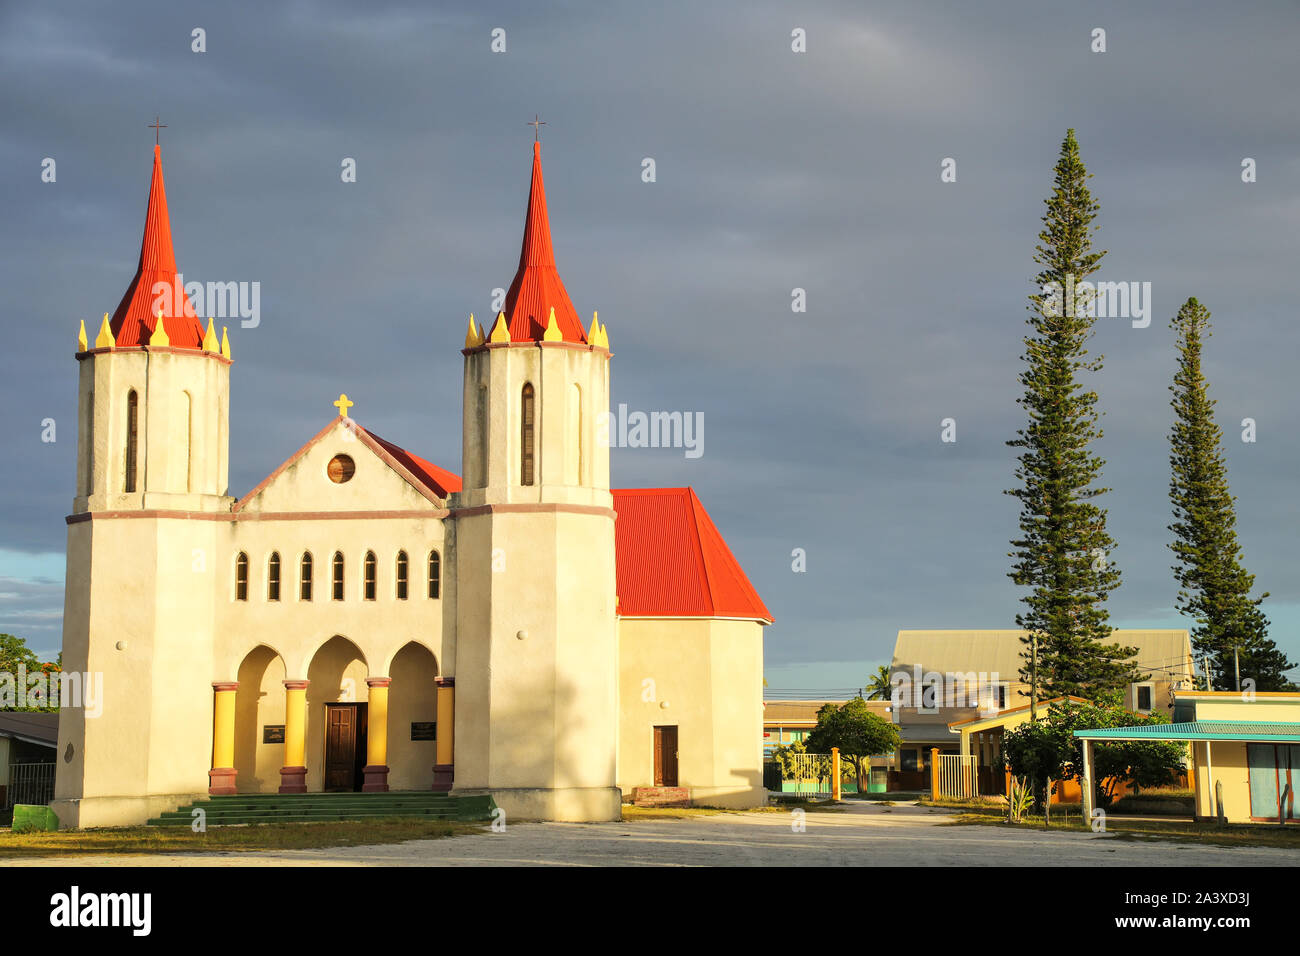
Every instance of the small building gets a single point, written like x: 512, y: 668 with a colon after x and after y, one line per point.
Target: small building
x: 791, y: 721
x: 28, y: 742
x: 1245, y: 753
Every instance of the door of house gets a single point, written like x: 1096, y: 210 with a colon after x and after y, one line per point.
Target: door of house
x: 666, y: 756
x: 345, y: 746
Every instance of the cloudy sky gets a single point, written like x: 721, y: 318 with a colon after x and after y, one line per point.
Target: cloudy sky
x: 775, y: 170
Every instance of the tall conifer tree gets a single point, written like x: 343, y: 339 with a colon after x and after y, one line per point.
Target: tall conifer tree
x: 1063, y: 552
x: 1214, y: 589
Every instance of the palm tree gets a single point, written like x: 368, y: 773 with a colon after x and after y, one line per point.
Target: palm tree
x: 879, y: 688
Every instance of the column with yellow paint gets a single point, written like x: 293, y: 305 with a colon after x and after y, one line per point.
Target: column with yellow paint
x: 221, y: 778
x: 293, y: 775
x: 443, y: 770
x: 376, y: 769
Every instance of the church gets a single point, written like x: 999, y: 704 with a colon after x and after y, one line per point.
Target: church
x: 366, y: 620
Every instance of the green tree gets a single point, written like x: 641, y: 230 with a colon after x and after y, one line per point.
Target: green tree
x: 1037, y: 751
x: 1214, y: 589
x: 857, y: 732
x: 14, y: 653
x: 1141, y: 763
x: 879, y: 688
x: 1063, y: 552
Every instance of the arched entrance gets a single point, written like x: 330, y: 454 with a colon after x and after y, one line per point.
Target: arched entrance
x: 412, y: 718
x: 259, y: 721
x: 337, y: 699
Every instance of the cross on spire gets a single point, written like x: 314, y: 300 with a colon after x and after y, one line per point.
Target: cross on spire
x: 536, y: 123
x: 156, y: 126
x: 343, y: 404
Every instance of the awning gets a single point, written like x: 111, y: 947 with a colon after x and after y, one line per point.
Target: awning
x: 1257, y: 730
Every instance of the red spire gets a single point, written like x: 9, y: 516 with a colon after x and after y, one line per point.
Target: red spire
x: 537, y: 287
x: 134, y: 320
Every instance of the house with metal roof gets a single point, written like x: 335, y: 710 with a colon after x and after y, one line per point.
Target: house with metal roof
x: 1245, y: 753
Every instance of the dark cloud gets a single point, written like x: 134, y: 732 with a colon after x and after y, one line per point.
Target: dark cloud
x: 775, y: 171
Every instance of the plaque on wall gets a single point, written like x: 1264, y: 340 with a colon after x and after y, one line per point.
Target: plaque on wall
x: 273, y: 734
x: 424, y: 730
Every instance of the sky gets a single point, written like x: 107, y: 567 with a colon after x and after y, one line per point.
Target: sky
x: 774, y: 170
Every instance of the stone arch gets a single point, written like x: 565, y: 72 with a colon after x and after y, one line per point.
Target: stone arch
x: 259, y: 703
x: 336, y: 672
x: 412, y: 699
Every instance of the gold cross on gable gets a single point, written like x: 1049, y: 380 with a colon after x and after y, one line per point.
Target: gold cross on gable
x: 156, y: 126
x: 343, y: 404
x: 536, y: 123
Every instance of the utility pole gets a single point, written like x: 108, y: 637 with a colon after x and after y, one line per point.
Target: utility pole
x: 1205, y: 663
x: 1033, y: 677
x: 1236, y: 666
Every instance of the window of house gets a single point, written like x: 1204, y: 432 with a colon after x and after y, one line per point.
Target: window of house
x: 369, y: 577
x: 527, y: 448
x: 401, y: 577
x: 304, y: 577
x: 338, y: 575
x: 132, y: 439
x: 273, y: 577
x: 1143, y: 696
x: 241, y: 577
x: 931, y: 695
x: 435, y: 574
x: 908, y: 761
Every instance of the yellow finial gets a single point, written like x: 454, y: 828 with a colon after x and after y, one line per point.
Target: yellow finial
x: 82, y: 344
x: 105, y: 340
x: 159, y: 336
x: 501, y: 331
x: 473, y: 337
x: 210, y: 338
x: 593, y: 337
x: 552, y: 333
x: 343, y: 404
x: 604, y: 337
x: 225, y: 343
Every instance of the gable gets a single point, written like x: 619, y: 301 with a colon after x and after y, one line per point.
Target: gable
x: 383, y: 477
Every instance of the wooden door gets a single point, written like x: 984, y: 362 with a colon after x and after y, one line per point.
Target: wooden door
x: 345, y: 746
x: 666, y: 756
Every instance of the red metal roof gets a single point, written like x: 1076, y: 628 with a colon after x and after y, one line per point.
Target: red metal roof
x: 438, y: 480
x: 537, y: 287
x: 673, y: 562
x: 133, y: 322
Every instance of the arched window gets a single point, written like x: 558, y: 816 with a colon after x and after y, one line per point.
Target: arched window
x: 527, y: 445
x: 370, y: 576
x: 338, y: 575
x: 401, y: 575
x: 132, y: 439
x: 304, y: 577
x: 241, y: 577
x: 435, y: 574
x: 273, y: 577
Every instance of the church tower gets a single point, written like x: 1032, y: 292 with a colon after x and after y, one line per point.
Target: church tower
x: 536, y: 708
x: 152, y: 466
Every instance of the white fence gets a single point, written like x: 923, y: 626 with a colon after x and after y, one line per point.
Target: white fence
x: 958, y: 777
x: 30, y: 783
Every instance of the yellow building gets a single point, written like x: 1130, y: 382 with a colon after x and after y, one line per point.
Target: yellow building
x: 1245, y: 753
x: 366, y: 620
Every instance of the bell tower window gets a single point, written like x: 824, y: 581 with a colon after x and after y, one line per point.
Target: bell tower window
x: 132, y: 439
x: 527, y: 442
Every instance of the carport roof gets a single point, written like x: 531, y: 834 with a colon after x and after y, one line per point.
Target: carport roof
x: 1257, y: 730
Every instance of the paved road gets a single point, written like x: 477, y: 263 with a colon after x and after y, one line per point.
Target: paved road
x: 861, y: 836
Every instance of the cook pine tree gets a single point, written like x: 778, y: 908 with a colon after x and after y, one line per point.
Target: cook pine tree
x: 1230, y: 635
x: 1063, y: 553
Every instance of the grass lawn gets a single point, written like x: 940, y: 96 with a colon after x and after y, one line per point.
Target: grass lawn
x: 262, y: 836
x: 1120, y: 828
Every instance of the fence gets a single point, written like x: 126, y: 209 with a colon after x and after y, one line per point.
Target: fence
x: 811, y: 773
x: 957, y: 776
x: 30, y: 783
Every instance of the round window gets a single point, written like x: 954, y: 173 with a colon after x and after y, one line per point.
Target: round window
x: 340, y: 469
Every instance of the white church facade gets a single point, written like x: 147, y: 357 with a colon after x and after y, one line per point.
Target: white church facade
x: 364, y: 620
